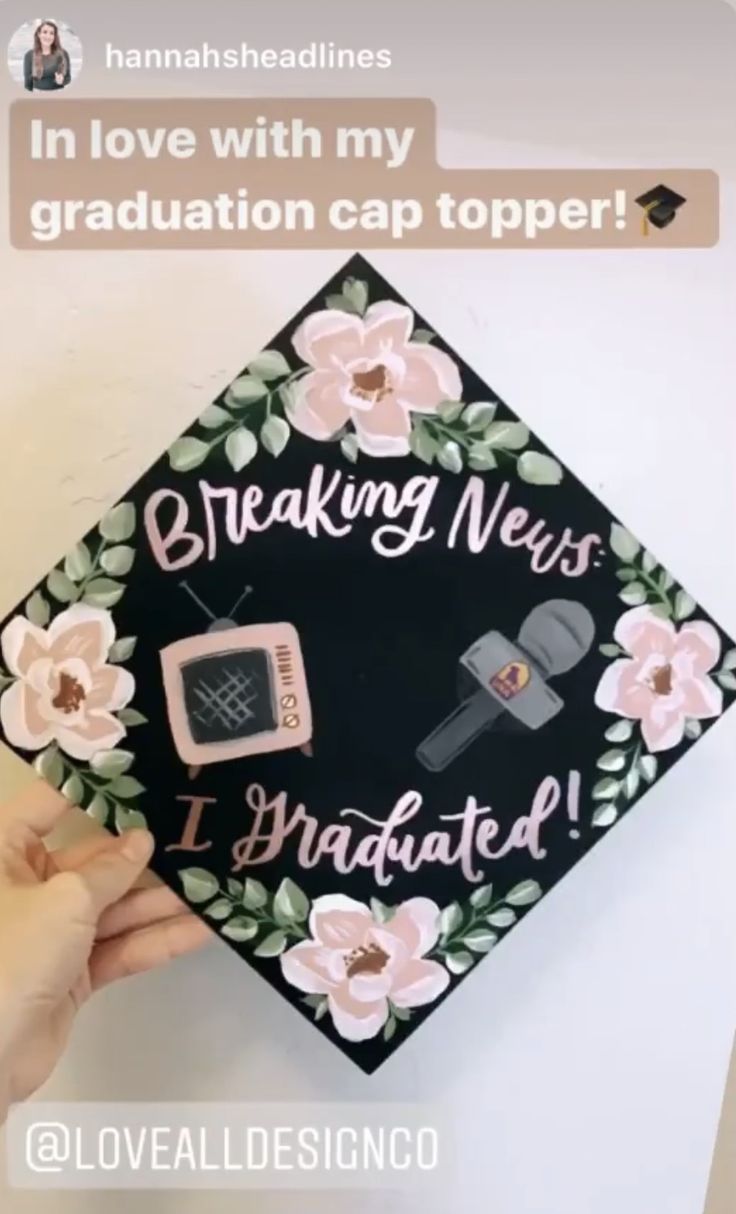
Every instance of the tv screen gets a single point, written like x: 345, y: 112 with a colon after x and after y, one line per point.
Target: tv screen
x: 229, y: 695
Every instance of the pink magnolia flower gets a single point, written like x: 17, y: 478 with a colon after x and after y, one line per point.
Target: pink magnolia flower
x: 368, y: 371
x: 64, y: 689
x: 665, y: 680
x: 359, y: 964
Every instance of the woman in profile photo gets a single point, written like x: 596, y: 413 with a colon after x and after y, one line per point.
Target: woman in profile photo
x: 46, y: 66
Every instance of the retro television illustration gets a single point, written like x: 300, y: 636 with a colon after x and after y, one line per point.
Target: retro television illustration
x: 236, y: 690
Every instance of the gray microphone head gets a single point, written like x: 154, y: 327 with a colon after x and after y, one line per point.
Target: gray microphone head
x: 557, y: 635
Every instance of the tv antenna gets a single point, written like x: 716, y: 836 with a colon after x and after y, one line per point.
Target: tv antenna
x: 219, y: 623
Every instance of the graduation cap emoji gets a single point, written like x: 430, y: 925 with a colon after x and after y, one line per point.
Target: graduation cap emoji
x: 499, y: 678
x: 660, y: 206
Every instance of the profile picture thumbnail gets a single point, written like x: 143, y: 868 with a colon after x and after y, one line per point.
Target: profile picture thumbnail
x: 44, y: 55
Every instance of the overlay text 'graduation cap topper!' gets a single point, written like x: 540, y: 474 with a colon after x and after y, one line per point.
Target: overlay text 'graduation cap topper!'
x: 660, y: 206
x: 554, y: 637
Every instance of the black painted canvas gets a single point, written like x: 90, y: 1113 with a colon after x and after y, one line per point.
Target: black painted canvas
x: 374, y: 667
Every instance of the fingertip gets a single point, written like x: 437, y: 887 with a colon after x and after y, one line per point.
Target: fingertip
x: 137, y: 846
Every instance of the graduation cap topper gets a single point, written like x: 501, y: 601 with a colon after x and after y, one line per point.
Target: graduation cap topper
x: 660, y: 206
x: 390, y: 508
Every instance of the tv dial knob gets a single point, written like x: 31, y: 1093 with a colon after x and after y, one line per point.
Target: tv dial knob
x: 291, y: 720
x: 288, y: 701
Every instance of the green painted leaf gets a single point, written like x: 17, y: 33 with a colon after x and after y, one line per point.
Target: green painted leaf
x: 321, y: 1009
x: 727, y: 680
x: 612, y: 760
x: 111, y: 763
x: 606, y: 789
x: 61, y: 587
x: 424, y: 336
x: 254, y: 894
x: 123, y: 649
x: 693, y: 729
x: 73, y: 790
x: 240, y: 929
x: 481, y: 458
x: 502, y: 917
x: 729, y: 660
x: 38, y: 610
x: 98, y: 809
x: 128, y: 819
x: 620, y: 731
x: 399, y: 1013
x: 356, y: 292
x: 524, y: 893
x: 684, y: 605
x: 235, y: 888
x: 214, y: 417
x: 450, y: 410
x: 119, y: 523
x: 118, y: 560
x: 245, y: 389
x: 270, y: 364
x: 663, y: 610
x: 481, y: 896
x: 449, y: 457
x: 604, y: 815
x: 459, y: 961
x: 273, y: 944
x: 219, y: 909
x: 199, y: 885
x: 290, y: 901
x: 648, y: 768
x: 480, y: 940
x: 631, y: 783
x: 450, y: 919
x: 131, y: 716
x: 510, y: 435
x: 382, y: 913
x: 50, y: 765
x: 349, y: 447
x: 666, y: 580
x: 340, y: 303
x: 422, y: 444
x: 627, y: 574
x: 78, y: 562
x: 633, y: 595
x: 623, y: 543
x: 610, y: 650
x: 648, y: 562
x: 275, y: 434
x: 126, y: 787
x: 103, y: 592
x: 188, y: 453
x: 479, y: 415
x: 240, y: 447
x: 389, y: 1028
x: 538, y: 469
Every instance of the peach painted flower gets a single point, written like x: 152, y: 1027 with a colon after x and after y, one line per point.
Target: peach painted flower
x: 359, y: 964
x: 64, y: 690
x: 367, y: 370
x: 665, y: 679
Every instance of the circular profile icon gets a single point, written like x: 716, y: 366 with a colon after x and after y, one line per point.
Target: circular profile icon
x: 44, y: 55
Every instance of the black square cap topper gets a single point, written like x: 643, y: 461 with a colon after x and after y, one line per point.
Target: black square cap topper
x: 375, y: 667
x: 660, y: 204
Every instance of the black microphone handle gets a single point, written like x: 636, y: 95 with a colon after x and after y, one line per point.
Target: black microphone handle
x: 457, y: 731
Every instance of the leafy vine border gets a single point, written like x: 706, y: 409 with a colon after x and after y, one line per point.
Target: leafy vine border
x: 257, y: 406
x: 93, y: 575
x: 247, y: 913
x: 627, y: 763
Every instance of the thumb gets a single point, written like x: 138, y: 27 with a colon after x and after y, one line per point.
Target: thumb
x: 110, y: 875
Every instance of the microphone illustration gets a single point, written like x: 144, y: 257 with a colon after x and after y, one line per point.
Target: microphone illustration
x: 499, y: 676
